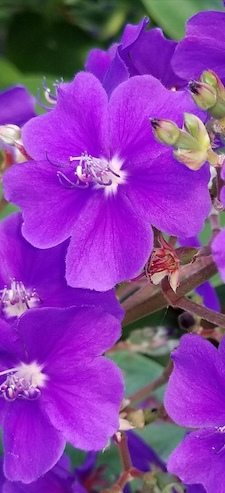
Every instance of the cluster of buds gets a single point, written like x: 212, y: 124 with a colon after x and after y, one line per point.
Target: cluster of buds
x: 191, y: 144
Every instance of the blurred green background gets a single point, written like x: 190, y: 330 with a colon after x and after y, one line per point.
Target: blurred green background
x: 52, y: 37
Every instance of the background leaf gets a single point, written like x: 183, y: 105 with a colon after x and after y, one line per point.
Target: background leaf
x: 172, y: 15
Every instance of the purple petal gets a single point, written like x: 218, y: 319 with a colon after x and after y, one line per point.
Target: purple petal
x: 218, y: 251
x: 204, y: 43
x: 152, y: 55
x: 142, y: 455
x: 78, y: 123
x: 195, y: 396
x: 80, y: 334
x: 85, y: 407
x: 40, y: 226
x: 116, y: 74
x: 196, y: 460
x: 112, y: 233
x: 32, y: 445
x: 98, y: 62
x: 17, y: 106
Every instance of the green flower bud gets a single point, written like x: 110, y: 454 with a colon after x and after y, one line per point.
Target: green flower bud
x: 195, y: 127
x: 192, y: 159
x: 165, y: 131
x: 204, y: 95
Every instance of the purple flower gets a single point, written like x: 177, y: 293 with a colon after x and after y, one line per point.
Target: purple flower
x: 195, y: 398
x: 139, y: 52
x: 203, y: 46
x: 30, y: 277
x: 56, y: 387
x: 99, y: 177
x: 17, y: 106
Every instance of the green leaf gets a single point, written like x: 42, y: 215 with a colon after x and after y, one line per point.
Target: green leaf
x: 36, y: 44
x: 172, y: 15
x: 137, y: 370
x: 9, y: 74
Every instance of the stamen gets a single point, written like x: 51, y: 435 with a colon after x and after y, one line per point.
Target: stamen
x: 17, y: 299
x: 22, y: 382
x: 49, y: 96
x: 89, y: 169
x: 220, y: 429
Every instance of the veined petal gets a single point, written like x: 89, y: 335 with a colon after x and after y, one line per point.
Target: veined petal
x: 198, y: 460
x: 195, y: 396
x: 78, y: 123
x: 205, y: 43
x: 112, y: 244
x: 29, y: 185
x: 32, y: 445
x: 69, y: 342
x: 86, y: 407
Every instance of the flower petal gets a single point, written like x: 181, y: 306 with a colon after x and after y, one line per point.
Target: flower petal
x: 79, y: 335
x: 109, y: 232
x: 197, y: 460
x: 32, y: 445
x: 195, y: 396
x: 86, y: 406
x: 77, y: 124
x: 205, y: 43
x: 50, y: 222
x: 17, y: 106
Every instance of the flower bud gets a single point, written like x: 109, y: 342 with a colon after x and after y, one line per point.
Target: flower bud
x: 204, y: 95
x: 192, y: 159
x: 195, y: 127
x: 9, y: 134
x: 165, y: 131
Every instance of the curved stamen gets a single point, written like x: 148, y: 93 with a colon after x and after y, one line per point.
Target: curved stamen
x: 67, y: 183
x: 220, y: 429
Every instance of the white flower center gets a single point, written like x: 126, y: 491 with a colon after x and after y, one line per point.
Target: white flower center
x: 17, y: 299
x: 23, y: 382
x: 103, y: 173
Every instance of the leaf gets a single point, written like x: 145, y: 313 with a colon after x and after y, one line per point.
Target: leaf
x: 36, y: 44
x: 171, y: 15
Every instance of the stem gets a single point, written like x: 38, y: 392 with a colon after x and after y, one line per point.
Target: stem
x: 155, y: 384
x: 190, y: 306
x: 124, y: 452
x: 158, y: 300
x: 3, y: 204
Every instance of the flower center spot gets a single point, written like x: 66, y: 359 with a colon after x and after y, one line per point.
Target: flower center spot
x: 99, y: 171
x: 23, y: 382
x: 14, y: 301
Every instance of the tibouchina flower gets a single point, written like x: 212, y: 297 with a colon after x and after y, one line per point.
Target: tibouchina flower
x: 203, y: 47
x: 32, y: 278
x: 195, y: 398
x: 100, y: 178
x: 56, y: 387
